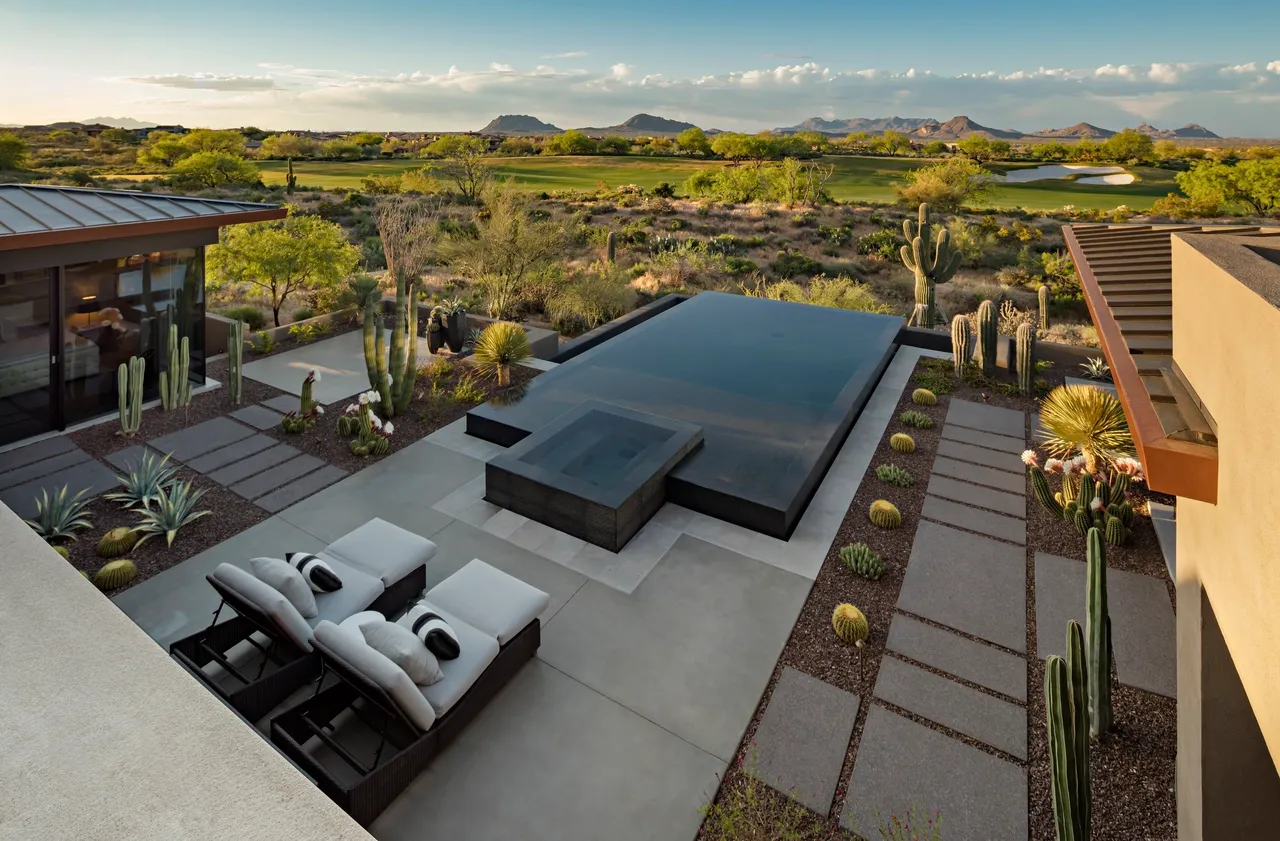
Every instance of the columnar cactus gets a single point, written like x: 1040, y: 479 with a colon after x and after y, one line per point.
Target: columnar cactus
x: 393, y: 369
x: 1067, y: 719
x: 1026, y: 341
x: 1097, y: 626
x: 1081, y: 517
x: 1040, y: 485
x: 129, y: 394
x: 1117, y: 534
x: 290, y: 180
x: 961, y: 343
x: 930, y: 270
x: 235, y: 361
x: 849, y: 624
x: 309, y: 410
x: 175, y: 385
x: 610, y: 247
x: 1086, y: 492
x: 987, y: 336
x: 1043, y: 294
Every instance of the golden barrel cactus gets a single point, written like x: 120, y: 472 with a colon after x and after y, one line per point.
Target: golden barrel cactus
x: 924, y: 397
x: 117, y: 542
x: 902, y: 442
x: 885, y: 514
x: 115, y: 574
x: 849, y: 624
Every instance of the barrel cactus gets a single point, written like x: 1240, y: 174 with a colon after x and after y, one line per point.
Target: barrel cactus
x: 63, y: 551
x: 902, y: 442
x: 117, y: 542
x: 850, y: 625
x: 917, y: 420
x: 892, y: 474
x: 859, y: 558
x: 924, y: 397
x: 115, y: 574
x: 885, y: 514
x: 1026, y: 343
x: 987, y: 335
x: 961, y: 343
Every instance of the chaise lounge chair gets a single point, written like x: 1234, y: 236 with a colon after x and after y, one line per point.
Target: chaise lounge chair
x: 495, y: 618
x: 258, y: 658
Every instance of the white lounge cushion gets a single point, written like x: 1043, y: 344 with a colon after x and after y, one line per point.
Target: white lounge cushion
x: 476, y: 651
x: 269, y: 600
x: 287, y: 580
x: 352, y: 623
x: 489, y: 600
x: 359, y: 590
x: 383, y: 550
x: 380, y: 671
x: 315, y: 571
x: 404, y: 649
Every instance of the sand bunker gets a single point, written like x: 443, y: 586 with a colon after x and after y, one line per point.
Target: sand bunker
x: 1111, y: 175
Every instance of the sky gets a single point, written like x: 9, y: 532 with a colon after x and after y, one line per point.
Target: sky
x: 748, y: 65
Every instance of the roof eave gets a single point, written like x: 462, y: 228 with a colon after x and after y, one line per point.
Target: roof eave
x: 98, y: 233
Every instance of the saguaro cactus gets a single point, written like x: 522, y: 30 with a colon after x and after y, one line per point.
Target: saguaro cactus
x: 1097, y: 625
x: 929, y: 270
x: 235, y: 361
x: 1026, y: 341
x: 987, y: 336
x: 393, y: 369
x: 1043, y: 294
x: 610, y: 247
x: 129, y: 394
x: 961, y: 343
x: 290, y: 180
x: 175, y: 386
x: 1064, y: 695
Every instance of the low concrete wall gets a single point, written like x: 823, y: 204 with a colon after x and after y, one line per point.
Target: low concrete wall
x: 217, y: 328
x: 542, y: 342
x: 604, y: 332
x: 279, y: 334
x: 103, y: 736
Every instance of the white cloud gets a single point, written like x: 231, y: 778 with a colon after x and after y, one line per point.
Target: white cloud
x: 206, y: 81
x: 1240, y: 68
x: 621, y: 70
x: 501, y: 68
x: 1165, y: 74
x: 1124, y: 71
x: 574, y: 54
x: 1274, y: 67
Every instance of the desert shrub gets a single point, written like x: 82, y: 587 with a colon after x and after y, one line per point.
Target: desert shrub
x: 946, y: 185
x: 727, y: 244
x: 883, y: 244
x: 740, y: 265
x: 589, y: 299
x: 255, y: 318
x: 675, y: 265
x: 1011, y: 318
x: 838, y: 293
x: 372, y: 255
x: 303, y: 313
x: 793, y: 264
x: 804, y: 219
x: 836, y: 235
x: 381, y: 185
x: 664, y: 190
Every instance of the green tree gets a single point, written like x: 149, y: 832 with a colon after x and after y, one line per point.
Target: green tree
x: 946, y: 185
x: 1001, y: 150
x: 287, y: 146
x: 273, y: 261
x: 516, y: 146
x: 366, y: 138
x: 614, y: 145
x: 1166, y: 150
x: 976, y: 147
x: 216, y: 169
x: 464, y: 163
x: 162, y: 148
x: 1086, y: 150
x: 1054, y: 151
x: 210, y: 140
x: 693, y: 141
x: 61, y: 135
x: 341, y: 149
x: 859, y: 141
x: 13, y: 151
x: 572, y: 142
x: 1253, y: 184
x: 119, y: 136
x: 812, y: 142
x: 732, y: 145
x: 935, y: 148
x: 1129, y: 146
x: 893, y: 143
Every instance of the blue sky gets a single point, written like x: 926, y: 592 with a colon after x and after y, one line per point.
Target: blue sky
x: 740, y: 65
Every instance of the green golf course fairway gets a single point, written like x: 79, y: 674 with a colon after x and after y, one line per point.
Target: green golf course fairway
x: 856, y: 178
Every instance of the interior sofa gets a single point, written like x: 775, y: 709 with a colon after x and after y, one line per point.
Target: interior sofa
x: 405, y: 725
x: 266, y: 652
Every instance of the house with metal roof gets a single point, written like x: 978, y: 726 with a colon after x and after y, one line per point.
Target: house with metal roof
x: 90, y: 278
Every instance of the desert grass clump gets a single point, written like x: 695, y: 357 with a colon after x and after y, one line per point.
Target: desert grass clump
x: 467, y: 390
x: 59, y: 516
x: 501, y: 345
x: 1088, y: 420
x: 902, y: 442
x: 924, y: 397
x: 916, y: 420
x: 885, y: 514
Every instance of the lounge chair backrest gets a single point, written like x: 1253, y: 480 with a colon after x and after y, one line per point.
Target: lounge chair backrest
x: 262, y: 604
x: 373, y: 675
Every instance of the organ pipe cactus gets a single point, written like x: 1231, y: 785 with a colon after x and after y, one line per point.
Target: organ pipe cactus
x: 1067, y: 719
x: 987, y: 337
x: 290, y: 180
x: 1043, y: 295
x: 1097, y: 625
x: 929, y: 269
x: 1026, y: 342
x: 175, y: 385
x: 1040, y: 485
x: 308, y: 411
x: 235, y: 361
x: 393, y: 367
x: 961, y: 343
x: 129, y: 394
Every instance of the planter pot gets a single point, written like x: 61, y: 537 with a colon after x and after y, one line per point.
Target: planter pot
x: 435, y: 340
x: 455, y: 331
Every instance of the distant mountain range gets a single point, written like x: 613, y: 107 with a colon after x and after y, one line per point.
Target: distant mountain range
x: 518, y: 124
x: 117, y: 122
x: 958, y: 128
x: 641, y: 125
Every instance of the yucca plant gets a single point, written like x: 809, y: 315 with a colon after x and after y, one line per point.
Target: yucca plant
x: 1088, y: 419
x: 1096, y: 369
x: 143, y: 484
x: 59, y: 517
x: 501, y: 345
x: 174, y: 509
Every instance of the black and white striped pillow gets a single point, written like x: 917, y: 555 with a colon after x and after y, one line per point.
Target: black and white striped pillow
x: 437, y: 636
x: 316, y: 572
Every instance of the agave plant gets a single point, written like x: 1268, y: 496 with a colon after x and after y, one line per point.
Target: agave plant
x: 59, y: 517
x: 144, y: 484
x: 174, y: 509
x: 1096, y: 369
x: 1088, y: 419
x: 501, y: 345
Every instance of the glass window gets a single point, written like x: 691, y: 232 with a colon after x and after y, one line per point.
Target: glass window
x: 25, y: 354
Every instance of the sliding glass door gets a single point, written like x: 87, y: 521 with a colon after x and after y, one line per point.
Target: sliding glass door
x: 28, y: 406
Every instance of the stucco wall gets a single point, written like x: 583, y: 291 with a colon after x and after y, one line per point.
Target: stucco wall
x: 1227, y: 344
x: 104, y: 737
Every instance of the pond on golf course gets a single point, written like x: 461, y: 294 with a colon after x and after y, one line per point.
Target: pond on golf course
x: 1110, y: 175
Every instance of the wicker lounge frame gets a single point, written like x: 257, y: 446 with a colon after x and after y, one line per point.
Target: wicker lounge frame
x: 384, y: 778
x: 253, y: 696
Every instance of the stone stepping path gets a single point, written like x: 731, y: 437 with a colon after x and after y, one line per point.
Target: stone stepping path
x: 968, y: 582
x: 902, y: 765
x: 1012, y: 504
x: 1143, y: 635
x: 259, y: 417
x: 987, y: 418
x: 803, y: 737
x: 1010, y: 482
x: 283, y: 403
x: 49, y: 465
x: 1012, y: 529
x: 966, y: 710
x: 981, y: 455
x: 185, y: 444
x: 991, y: 441
x: 975, y: 662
